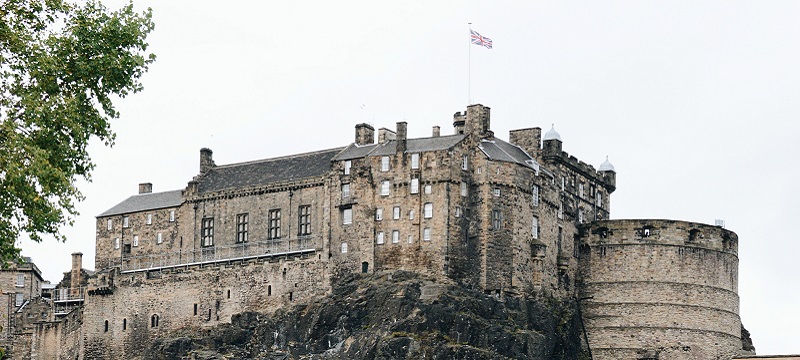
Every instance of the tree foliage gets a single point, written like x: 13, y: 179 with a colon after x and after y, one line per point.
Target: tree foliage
x: 61, y: 66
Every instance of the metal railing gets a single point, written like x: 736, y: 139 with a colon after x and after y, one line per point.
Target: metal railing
x: 218, y: 253
x: 71, y: 294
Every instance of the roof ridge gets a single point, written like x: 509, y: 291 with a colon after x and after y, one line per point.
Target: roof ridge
x: 337, y: 150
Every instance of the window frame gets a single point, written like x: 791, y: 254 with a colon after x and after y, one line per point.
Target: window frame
x: 415, y: 161
x: 379, y: 238
x: 304, y: 220
x: 427, y: 210
x: 535, y: 195
x: 386, y: 188
x: 414, y: 186
x: 20, y: 280
x: 426, y: 234
x: 274, y: 224
x: 347, y: 216
x: 348, y: 164
x: 207, y: 232
x: 344, y: 248
x: 385, y: 164
x: 378, y: 214
x: 535, y: 227
x: 110, y: 224
x: 465, y: 162
x: 172, y: 216
x: 242, y: 227
x: 395, y: 236
x: 497, y: 219
x: 345, y: 190
x: 396, y: 213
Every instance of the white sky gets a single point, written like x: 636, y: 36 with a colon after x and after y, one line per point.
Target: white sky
x: 695, y: 103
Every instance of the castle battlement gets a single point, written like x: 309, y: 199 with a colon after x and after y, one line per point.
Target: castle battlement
x: 660, y: 232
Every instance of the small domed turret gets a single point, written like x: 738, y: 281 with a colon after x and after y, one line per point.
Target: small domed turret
x: 606, y: 166
x: 552, y: 134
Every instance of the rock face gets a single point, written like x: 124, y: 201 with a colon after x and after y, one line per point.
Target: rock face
x: 394, y: 315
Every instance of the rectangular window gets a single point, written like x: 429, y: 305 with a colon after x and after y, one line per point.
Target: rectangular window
x: 463, y: 189
x: 149, y: 219
x: 396, y: 213
x: 274, y: 230
x: 384, y: 163
x: 19, y: 299
x: 116, y: 243
x: 415, y: 161
x: 599, y: 199
x: 20, y: 280
x: 379, y: 214
x: 496, y: 220
x: 465, y: 162
x: 347, y: 165
x: 580, y: 189
x: 428, y: 189
x: 345, y: 190
x: 458, y: 211
x: 385, y: 186
x: 125, y: 222
x: 379, y: 238
x: 135, y: 240
x: 561, y: 210
x: 426, y: 234
x: 395, y: 237
x: 580, y: 216
x: 171, y: 215
x: 207, y: 232
x: 304, y: 220
x: 159, y: 238
x: 411, y: 215
x: 344, y: 248
x: 563, y: 183
x: 535, y: 195
x: 109, y: 224
x: 535, y: 228
x: 242, y: 227
x: 410, y: 239
x: 347, y: 216
x: 415, y: 186
x: 428, y: 210
x: 496, y: 192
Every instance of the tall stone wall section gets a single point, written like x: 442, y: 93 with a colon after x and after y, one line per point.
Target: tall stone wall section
x: 145, y: 305
x: 660, y: 289
x: 59, y: 340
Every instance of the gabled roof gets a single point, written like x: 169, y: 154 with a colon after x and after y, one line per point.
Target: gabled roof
x: 262, y: 172
x: 390, y: 147
x: 499, y: 150
x: 150, y: 201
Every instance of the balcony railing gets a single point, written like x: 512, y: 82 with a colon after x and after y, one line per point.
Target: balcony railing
x: 68, y: 295
x: 213, y: 254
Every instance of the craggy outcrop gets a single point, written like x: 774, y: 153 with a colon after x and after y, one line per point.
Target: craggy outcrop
x: 392, y: 315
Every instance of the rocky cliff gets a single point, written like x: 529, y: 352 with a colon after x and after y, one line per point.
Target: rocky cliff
x: 391, y: 315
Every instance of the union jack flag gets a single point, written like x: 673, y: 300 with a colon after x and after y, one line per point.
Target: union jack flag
x: 478, y: 39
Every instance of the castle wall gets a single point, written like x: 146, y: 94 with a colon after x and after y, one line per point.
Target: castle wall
x: 58, y: 340
x: 146, y: 305
x: 660, y: 287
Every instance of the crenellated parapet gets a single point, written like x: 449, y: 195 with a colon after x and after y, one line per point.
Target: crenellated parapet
x: 662, y: 232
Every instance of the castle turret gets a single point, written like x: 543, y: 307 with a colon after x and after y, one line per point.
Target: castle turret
x: 552, y: 143
x: 609, y: 175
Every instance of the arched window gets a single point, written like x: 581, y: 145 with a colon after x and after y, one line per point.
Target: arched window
x: 105, y: 328
x: 154, y: 321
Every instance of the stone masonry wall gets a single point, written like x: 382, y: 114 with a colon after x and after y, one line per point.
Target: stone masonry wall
x: 662, y: 287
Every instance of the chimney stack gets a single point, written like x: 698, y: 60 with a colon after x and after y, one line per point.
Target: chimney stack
x: 365, y: 134
x: 384, y: 135
x: 75, y: 273
x: 458, y: 122
x: 206, y: 160
x: 401, y: 137
x: 145, y: 188
x: 477, y: 121
x: 436, y: 131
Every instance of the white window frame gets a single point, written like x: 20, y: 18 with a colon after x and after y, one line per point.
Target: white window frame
x: 344, y: 248
x: 395, y: 236
x: 159, y: 238
x: 126, y: 222
x: 347, y: 216
x: 345, y: 190
x: 496, y: 191
x: 149, y: 219
x: 410, y: 239
x: 19, y: 299
x: 386, y: 186
x: 379, y: 214
x: 561, y: 210
x: 428, y: 210
x: 463, y: 189
x: 384, y: 163
x: 20, y: 280
x: 347, y: 165
x: 109, y: 224
x: 428, y: 189
x: 497, y: 219
x: 415, y: 186
x: 172, y: 216
x: 465, y: 162
x: 426, y: 234
x: 135, y: 240
x: 379, y: 239
x: 411, y: 215
x: 458, y: 211
x: 599, y: 200
x: 580, y: 216
x: 535, y: 195
x: 396, y: 213
x: 116, y: 243
x: 415, y: 161
x: 535, y: 228
x: 580, y: 190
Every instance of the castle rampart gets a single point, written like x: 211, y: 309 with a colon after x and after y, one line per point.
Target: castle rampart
x: 660, y: 288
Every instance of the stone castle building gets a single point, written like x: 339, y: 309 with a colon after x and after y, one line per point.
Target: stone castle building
x: 509, y: 217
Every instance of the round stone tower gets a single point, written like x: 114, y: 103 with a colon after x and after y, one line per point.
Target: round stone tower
x: 660, y: 289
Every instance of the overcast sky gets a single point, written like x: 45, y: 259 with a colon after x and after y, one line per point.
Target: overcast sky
x: 695, y: 103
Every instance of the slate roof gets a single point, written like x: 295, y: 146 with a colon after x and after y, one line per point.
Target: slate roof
x: 390, y: 147
x: 500, y: 150
x: 150, y: 201
x: 261, y: 172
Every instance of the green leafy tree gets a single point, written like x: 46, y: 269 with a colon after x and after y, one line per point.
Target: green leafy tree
x: 62, y: 65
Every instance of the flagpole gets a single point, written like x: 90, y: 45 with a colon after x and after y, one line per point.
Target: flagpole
x: 469, y: 66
